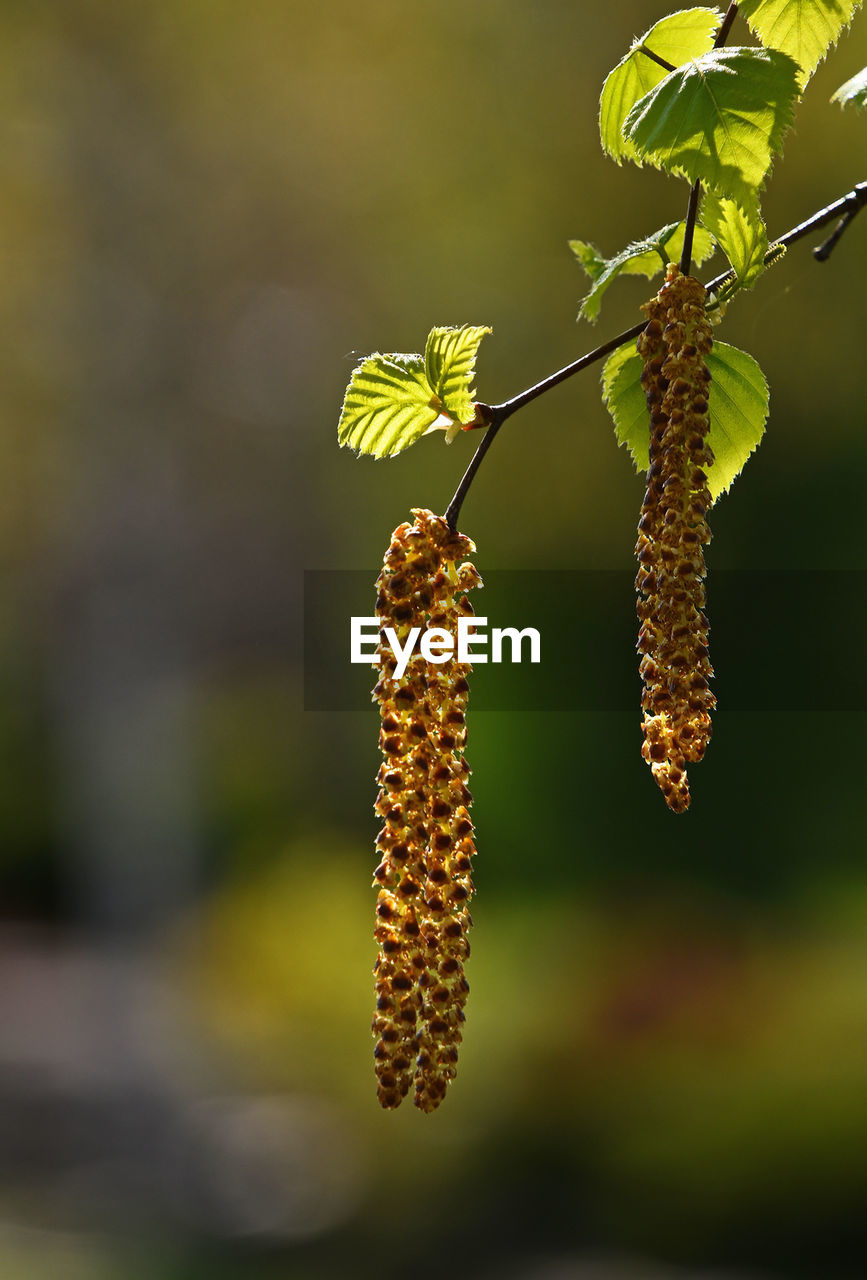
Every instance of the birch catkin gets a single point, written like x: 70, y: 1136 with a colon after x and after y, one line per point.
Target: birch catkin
x: 426, y: 842
x: 672, y: 532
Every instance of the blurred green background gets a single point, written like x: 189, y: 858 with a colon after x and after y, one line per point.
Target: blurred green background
x: 209, y: 212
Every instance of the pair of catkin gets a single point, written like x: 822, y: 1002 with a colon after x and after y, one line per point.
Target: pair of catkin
x: 426, y: 841
x: 672, y: 533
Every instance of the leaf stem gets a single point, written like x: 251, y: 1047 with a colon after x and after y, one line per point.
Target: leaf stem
x: 654, y: 57
x: 695, y: 189
x: 493, y: 416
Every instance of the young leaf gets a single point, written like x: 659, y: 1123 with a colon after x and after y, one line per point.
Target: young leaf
x: 677, y: 39
x: 449, y: 361
x: 854, y: 90
x: 740, y: 233
x: 738, y: 409
x: 720, y: 119
x: 642, y: 258
x: 590, y: 258
x: 389, y: 404
x: 806, y: 31
x: 738, y: 412
x: 393, y: 400
x: 625, y: 400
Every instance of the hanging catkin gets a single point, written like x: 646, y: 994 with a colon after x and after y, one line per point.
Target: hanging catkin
x: 426, y: 842
x: 673, y: 529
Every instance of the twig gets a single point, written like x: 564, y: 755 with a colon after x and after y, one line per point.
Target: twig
x: 725, y: 26
x: 847, y: 205
x: 695, y: 189
x: 689, y: 227
x: 823, y: 251
x: 493, y: 416
x: 654, y: 57
x: 453, y: 510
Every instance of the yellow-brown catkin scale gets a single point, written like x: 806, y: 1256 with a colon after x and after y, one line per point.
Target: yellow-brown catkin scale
x: 672, y: 532
x: 426, y: 842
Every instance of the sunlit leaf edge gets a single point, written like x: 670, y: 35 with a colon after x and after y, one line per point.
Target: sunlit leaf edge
x: 687, y: 152
x: 388, y: 405
x: 792, y: 26
x: 449, y: 362
x: 677, y: 37
x: 645, y: 257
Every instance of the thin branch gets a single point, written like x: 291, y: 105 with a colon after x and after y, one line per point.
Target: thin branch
x: 847, y: 206
x: 695, y: 189
x: 689, y: 228
x: 725, y: 27
x: 453, y: 510
x: 823, y: 251
x: 493, y: 416
x: 509, y: 407
x: 654, y: 57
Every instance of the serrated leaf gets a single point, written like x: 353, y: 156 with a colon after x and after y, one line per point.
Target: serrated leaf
x: 738, y: 406
x: 804, y: 29
x: 389, y: 404
x: 592, y: 259
x: 393, y: 400
x: 721, y: 119
x: 854, y: 91
x: 676, y: 38
x: 449, y: 361
x: 642, y: 258
x: 740, y: 233
x: 625, y: 400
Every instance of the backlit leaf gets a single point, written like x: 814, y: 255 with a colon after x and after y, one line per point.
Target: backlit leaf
x: 805, y: 29
x: 721, y: 119
x: 677, y: 38
x: 740, y: 233
x: 449, y: 361
x: 393, y: 400
x: 642, y: 258
x: 738, y: 412
x: 738, y: 404
x: 389, y: 404
x: 625, y: 400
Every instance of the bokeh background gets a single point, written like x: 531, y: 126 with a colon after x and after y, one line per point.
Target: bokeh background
x: 209, y: 211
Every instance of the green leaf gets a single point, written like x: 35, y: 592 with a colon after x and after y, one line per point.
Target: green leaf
x: 625, y: 400
x: 740, y: 233
x: 388, y: 405
x: 393, y: 400
x: 720, y: 119
x: 642, y: 258
x: 449, y: 361
x: 804, y: 29
x: 854, y: 90
x: 738, y: 404
x: 677, y: 39
x: 591, y: 259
